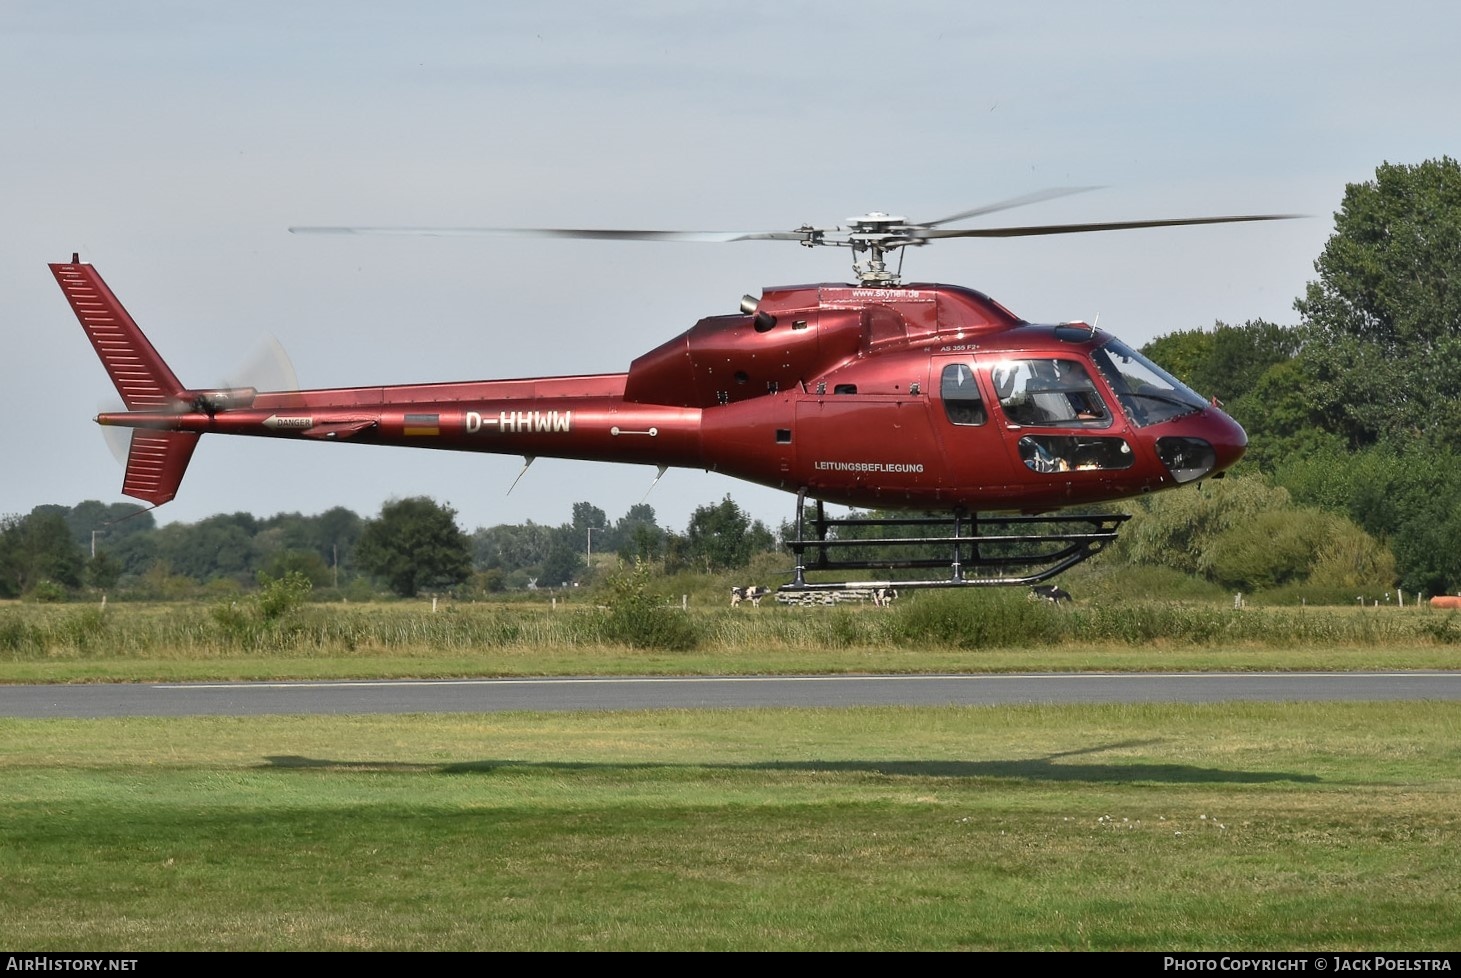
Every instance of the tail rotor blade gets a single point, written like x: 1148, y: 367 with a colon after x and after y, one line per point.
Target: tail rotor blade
x: 267, y: 369
x: 119, y: 440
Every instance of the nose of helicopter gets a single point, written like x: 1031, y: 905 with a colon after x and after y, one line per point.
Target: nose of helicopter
x: 1201, y: 446
x: 1229, y: 440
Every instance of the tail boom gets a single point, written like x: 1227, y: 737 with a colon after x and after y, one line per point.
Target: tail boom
x: 580, y: 417
x: 589, y: 428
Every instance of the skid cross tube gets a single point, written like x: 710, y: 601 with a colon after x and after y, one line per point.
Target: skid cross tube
x: 989, y: 551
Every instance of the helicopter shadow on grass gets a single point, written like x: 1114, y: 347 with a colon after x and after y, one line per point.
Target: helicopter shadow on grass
x: 1050, y: 768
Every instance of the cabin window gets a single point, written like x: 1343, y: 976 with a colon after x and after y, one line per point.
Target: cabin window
x: 1048, y: 393
x: 960, y: 395
x: 844, y: 389
x: 1074, y: 453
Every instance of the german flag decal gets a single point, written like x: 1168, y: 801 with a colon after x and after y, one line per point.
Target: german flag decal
x: 422, y: 424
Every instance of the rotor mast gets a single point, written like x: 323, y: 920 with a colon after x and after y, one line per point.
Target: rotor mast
x: 875, y: 234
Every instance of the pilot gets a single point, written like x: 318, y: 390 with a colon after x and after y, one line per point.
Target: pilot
x: 1040, y: 458
x: 1087, y: 407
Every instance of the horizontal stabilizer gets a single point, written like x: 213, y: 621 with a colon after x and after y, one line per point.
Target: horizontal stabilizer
x: 141, y: 376
x: 156, y: 463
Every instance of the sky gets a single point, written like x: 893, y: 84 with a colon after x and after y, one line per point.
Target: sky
x: 172, y: 144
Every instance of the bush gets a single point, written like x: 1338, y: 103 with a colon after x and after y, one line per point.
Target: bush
x: 1000, y: 618
x: 267, y: 618
x: 639, y: 618
x: 1108, y: 582
x: 1273, y: 548
x: 48, y: 592
x: 277, y: 597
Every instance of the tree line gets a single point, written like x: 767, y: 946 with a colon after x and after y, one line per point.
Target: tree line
x: 412, y: 545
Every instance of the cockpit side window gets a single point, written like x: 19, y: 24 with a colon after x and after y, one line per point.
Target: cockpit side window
x: 1046, y: 393
x: 960, y: 394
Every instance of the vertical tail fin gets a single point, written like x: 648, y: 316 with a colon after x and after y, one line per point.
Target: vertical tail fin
x: 157, y: 459
x: 156, y: 463
x: 139, y: 373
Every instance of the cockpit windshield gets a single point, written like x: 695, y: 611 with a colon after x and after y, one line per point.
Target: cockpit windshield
x: 1148, y: 394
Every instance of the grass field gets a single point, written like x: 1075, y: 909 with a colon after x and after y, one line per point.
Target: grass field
x: 1137, y: 827
x: 1234, y: 826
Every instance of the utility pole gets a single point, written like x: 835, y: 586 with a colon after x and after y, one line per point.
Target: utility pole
x: 93, y: 541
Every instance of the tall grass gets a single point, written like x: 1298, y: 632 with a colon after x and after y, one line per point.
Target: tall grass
x: 927, y: 620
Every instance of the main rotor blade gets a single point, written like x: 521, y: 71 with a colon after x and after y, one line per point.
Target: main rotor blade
x: 1018, y: 232
x: 1005, y: 205
x: 593, y: 234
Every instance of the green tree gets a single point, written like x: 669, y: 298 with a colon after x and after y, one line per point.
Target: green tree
x: 1282, y: 417
x: 330, y: 536
x: 38, y: 548
x: 1428, y: 549
x: 512, y: 547
x: 1385, y: 313
x: 1226, y: 361
x: 1185, y: 354
x: 107, y: 522
x: 590, y: 526
x: 587, y: 516
x: 217, y: 547
x: 334, y: 534
x: 1406, y: 496
x: 1389, y: 273
x: 10, y: 569
x: 637, y: 535
x: 307, y: 564
x: 561, y: 565
x: 723, y: 536
x: 103, y: 571
x: 414, y: 544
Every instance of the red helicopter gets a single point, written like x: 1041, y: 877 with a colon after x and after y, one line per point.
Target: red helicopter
x: 967, y: 427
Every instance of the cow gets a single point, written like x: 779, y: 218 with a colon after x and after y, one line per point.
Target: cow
x: 752, y: 593
x: 1048, y: 592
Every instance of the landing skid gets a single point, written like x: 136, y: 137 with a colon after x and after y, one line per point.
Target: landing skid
x: 989, y: 551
